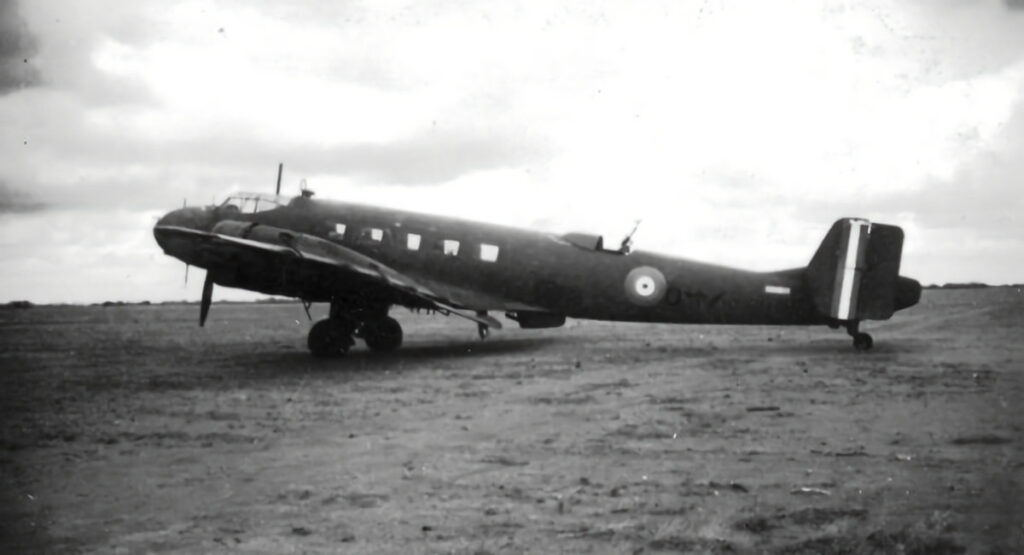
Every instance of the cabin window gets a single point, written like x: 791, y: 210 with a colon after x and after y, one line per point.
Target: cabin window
x: 488, y: 253
x: 373, y: 234
x: 338, y: 233
x: 450, y: 247
x: 412, y: 241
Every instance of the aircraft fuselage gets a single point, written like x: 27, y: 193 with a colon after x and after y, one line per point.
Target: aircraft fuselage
x: 538, y: 278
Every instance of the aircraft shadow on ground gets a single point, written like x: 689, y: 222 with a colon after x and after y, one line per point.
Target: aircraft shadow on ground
x: 421, y: 355
x: 453, y: 349
x: 839, y: 346
x: 361, y: 359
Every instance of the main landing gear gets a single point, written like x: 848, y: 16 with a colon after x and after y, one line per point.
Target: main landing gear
x: 382, y: 334
x: 330, y: 338
x: 861, y: 340
x: 334, y: 336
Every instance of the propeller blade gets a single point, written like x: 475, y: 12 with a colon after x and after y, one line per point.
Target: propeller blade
x: 204, y: 305
x: 186, y: 274
x: 280, y: 168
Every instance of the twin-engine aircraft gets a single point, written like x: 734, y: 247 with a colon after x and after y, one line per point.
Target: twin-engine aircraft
x: 364, y: 260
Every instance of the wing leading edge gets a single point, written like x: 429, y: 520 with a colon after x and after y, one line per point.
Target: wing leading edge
x: 232, y: 244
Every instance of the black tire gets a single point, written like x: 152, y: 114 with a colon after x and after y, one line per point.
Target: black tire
x: 329, y: 338
x: 383, y: 335
x: 862, y: 342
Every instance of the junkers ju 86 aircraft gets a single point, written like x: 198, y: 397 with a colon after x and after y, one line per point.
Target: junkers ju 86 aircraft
x: 364, y: 260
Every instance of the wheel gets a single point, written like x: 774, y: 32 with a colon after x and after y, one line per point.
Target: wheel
x: 862, y: 342
x: 384, y: 334
x: 329, y: 338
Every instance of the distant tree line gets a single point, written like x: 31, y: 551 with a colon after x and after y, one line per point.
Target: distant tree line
x: 282, y: 300
x: 969, y: 285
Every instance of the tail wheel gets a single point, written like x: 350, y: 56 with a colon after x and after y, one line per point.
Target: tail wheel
x: 861, y: 340
x: 383, y: 334
x: 329, y: 338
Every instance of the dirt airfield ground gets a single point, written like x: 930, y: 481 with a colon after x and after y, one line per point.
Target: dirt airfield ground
x: 129, y: 429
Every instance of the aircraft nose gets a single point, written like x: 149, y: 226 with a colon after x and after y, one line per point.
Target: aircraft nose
x: 170, y: 239
x: 191, y: 217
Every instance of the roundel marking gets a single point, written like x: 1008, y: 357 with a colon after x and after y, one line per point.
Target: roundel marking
x: 645, y: 285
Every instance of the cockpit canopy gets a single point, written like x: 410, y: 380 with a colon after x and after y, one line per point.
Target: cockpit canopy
x: 251, y: 203
x: 591, y: 242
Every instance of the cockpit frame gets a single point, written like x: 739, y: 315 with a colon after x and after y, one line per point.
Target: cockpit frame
x: 252, y: 203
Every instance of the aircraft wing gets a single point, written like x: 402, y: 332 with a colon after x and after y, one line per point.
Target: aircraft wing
x: 234, y: 243
x: 464, y: 296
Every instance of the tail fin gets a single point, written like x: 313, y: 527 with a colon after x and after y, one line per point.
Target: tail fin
x: 855, y: 273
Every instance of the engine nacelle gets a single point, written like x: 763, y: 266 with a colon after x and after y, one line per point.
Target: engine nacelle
x: 279, y: 236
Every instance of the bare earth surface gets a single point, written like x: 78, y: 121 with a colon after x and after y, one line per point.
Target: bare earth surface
x: 129, y: 429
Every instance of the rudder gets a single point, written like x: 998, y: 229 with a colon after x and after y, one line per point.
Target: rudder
x: 854, y: 274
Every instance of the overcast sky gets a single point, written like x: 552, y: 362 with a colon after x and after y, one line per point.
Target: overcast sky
x: 738, y: 131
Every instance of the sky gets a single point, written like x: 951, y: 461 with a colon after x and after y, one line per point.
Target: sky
x: 736, y: 131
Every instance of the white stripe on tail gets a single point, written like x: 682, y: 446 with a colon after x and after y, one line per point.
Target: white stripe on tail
x: 850, y: 277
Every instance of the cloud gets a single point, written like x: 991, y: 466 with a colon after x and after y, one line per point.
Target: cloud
x: 98, y: 255
x: 964, y: 226
x: 150, y: 103
x: 111, y: 171
x: 16, y: 201
x: 737, y: 131
x: 17, y: 46
x: 980, y: 199
x: 428, y: 159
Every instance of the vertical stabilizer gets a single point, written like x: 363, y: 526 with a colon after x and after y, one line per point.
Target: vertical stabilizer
x: 854, y: 274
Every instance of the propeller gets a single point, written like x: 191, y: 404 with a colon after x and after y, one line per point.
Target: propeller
x: 204, y: 305
x: 280, y: 168
x: 184, y: 204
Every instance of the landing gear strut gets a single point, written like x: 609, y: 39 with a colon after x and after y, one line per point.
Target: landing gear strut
x: 483, y: 330
x: 861, y: 340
